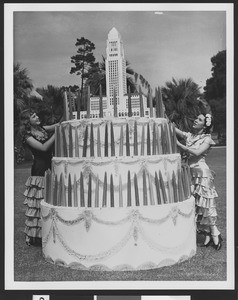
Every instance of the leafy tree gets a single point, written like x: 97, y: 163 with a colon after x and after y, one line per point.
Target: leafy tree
x: 97, y: 77
x: 181, y: 100
x: 215, y: 92
x: 84, y: 60
x: 216, y: 85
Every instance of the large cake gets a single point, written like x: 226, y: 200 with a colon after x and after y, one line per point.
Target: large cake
x: 118, y: 197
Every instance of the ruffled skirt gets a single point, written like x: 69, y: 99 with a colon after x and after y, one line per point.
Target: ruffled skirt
x: 34, y: 193
x: 203, y: 190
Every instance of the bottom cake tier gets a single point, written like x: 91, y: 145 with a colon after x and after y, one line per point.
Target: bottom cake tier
x: 130, y: 238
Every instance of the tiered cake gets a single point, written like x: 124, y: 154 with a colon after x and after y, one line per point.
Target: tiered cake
x: 118, y: 197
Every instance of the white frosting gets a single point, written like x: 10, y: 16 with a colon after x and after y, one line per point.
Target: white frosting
x: 119, y: 238
x: 95, y: 222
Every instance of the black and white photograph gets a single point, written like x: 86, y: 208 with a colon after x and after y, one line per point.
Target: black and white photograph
x: 119, y: 144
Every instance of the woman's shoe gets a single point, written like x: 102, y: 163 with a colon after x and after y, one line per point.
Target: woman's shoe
x: 219, y: 245
x: 210, y: 240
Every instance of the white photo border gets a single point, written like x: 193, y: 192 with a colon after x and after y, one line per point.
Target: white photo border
x: 10, y: 284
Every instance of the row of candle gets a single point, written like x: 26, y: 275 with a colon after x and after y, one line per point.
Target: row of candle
x: 154, y: 141
x: 176, y: 190
x: 159, y: 107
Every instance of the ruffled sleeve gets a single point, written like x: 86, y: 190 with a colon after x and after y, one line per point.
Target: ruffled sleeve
x: 208, y: 140
x: 186, y: 135
x: 26, y: 136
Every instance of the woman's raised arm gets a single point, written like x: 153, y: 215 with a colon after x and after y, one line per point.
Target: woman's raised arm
x: 38, y: 145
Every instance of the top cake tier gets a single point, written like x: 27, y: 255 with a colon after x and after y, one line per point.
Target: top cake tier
x: 115, y: 137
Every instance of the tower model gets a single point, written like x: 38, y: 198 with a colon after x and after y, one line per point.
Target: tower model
x: 118, y: 196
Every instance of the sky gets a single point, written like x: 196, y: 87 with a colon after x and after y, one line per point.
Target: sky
x: 158, y: 45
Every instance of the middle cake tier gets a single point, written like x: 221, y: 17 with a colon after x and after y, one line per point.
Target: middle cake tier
x: 117, y: 181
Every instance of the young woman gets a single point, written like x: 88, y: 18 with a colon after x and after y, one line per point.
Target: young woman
x: 40, y: 141
x: 197, y: 146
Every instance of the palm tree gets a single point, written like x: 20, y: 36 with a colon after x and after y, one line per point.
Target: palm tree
x: 22, y: 86
x: 97, y: 77
x: 181, y: 100
x: 51, y: 108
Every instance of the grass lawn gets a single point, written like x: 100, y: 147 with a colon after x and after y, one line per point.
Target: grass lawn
x: 207, y: 264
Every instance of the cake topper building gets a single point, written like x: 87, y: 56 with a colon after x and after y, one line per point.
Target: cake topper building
x: 116, y: 86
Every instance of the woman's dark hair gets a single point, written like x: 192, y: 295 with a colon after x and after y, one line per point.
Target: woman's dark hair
x: 208, y: 123
x: 25, y: 125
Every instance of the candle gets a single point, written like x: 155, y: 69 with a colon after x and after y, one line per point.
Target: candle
x: 112, y: 141
x: 88, y: 103
x: 162, y: 136
x: 150, y: 103
x: 142, y: 113
x: 51, y: 188
x: 120, y: 192
x: 78, y: 105
x: 136, y: 190
x: 143, y: 140
x: 175, y: 188
x: 170, y: 189
x: 145, y: 200
x: 180, y: 187
x: 104, y: 196
x: 76, y: 143
x: 75, y: 192
x: 57, y: 141
x: 63, y: 201
x: 127, y: 140
x: 154, y: 140
x: 47, y: 186
x: 90, y: 190
x: 169, y: 138
x: 152, y: 200
x: 69, y: 191
x: 106, y: 140
x: 65, y: 152
x: 97, y: 193
x: 129, y: 102
x: 121, y: 142
x: 128, y: 188
x: 70, y: 141
x: 165, y: 199
x: 66, y: 107
x: 91, y: 141
x: 100, y: 103
x: 157, y: 186
x: 157, y: 106
x: 188, y: 180
x: 85, y: 141
x: 82, y: 203
x: 148, y: 139
x: 111, y: 191
x: 55, y: 191
x: 175, y: 140
x: 59, y: 192
x: 135, y: 139
x: 98, y: 142
x: 159, y: 139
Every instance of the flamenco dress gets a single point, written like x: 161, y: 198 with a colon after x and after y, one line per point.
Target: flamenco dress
x: 34, y: 192
x: 202, y: 183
